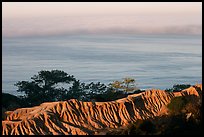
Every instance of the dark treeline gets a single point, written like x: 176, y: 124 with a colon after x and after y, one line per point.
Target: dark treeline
x: 57, y: 85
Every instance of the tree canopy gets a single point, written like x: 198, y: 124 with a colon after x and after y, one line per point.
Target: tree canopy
x: 127, y: 85
x: 57, y: 85
x: 45, y: 86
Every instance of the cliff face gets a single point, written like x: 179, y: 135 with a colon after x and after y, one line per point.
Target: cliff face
x: 75, y: 117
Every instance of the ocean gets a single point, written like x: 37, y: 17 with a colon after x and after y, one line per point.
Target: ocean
x: 154, y: 61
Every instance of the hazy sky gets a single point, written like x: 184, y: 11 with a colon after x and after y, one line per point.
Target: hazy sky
x: 60, y: 18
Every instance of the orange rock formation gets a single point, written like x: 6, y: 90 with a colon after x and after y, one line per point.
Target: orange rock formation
x: 75, y: 117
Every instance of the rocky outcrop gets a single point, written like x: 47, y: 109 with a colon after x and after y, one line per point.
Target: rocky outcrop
x: 75, y: 117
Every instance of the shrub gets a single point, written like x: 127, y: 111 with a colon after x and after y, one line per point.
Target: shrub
x: 178, y: 87
x: 176, y: 105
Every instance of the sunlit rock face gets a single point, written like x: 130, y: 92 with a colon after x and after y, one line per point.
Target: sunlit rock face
x: 75, y: 117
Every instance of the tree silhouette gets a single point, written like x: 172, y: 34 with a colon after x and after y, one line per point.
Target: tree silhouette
x: 45, y: 87
x: 116, y: 85
x: 127, y: 85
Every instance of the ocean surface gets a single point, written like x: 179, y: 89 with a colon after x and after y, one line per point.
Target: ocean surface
x: 155, y: 61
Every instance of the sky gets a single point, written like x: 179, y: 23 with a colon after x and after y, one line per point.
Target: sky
x: 21, y: 19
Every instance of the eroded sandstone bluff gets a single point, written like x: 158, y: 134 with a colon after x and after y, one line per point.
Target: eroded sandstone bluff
x: 75, y: 117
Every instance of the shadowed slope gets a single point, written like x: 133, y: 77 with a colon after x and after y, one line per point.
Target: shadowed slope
x: 76, y: 117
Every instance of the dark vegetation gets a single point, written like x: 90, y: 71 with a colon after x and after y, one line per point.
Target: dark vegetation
x: 14, y: 101
x: 57, y: 85
x: 9, y: 102
x: 178, y: 87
